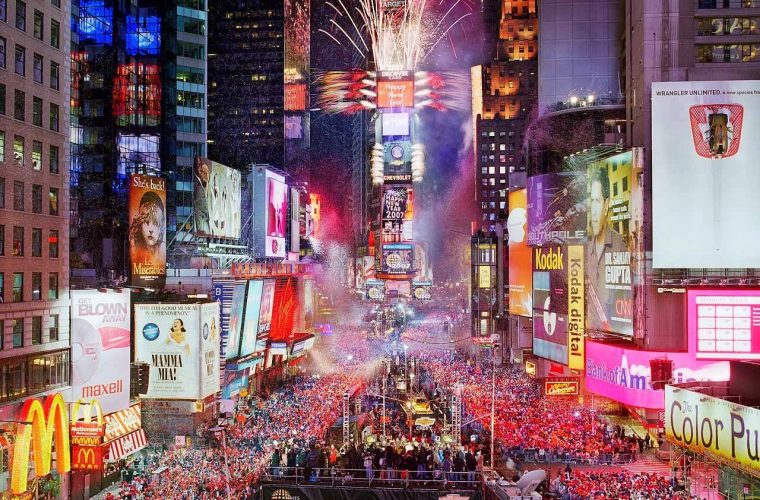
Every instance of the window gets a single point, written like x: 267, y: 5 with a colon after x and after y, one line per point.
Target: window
x: 2, y: 98
x: 55, y: 33
x: 18, y: 287
x: 53, y: 286
x: 18, y: 195
x: 2, y: 50
x: 2, y: 299
x: 54, y: 328
x: 54, y: 117
x: 36, y: 155
x: 2, y: 146
x: 18, y: 241
x: 19, y: 105
x: 53, y: 244
x: 37, y: 63
x: 55, y: 75
x: 2, y: 196
x: 37, y: 111
x: 18, y: 329
x: 625, y: 184
x: 53, y: 196
x: 37, y: 288
x: 37, y: 243
x: 53, y: 159
x: 18, y: 150
x: 20, y: 15
x: 56, y: 3
x: 3, y: 18
x: 39, y: 21
x: 36, y: 198
x: 20, y: 59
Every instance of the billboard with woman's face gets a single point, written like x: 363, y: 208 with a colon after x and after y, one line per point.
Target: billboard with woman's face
x: 147, y: 231
x: 277, y: 213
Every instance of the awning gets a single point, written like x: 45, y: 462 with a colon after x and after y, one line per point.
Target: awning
x: 126, y: 445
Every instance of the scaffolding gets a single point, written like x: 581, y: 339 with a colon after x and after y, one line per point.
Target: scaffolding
x: 710, y: 478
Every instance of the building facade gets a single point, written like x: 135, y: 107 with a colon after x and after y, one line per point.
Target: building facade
x: 139, y: 108
x: 34, y: 208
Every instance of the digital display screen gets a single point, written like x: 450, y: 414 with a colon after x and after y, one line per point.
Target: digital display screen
x: 724, y: 324
x: 395, y: 124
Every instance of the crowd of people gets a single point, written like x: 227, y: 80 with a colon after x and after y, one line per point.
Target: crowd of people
x: 286, y: 433
x: 615, y: 485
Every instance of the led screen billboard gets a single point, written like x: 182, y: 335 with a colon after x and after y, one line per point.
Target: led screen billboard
x: 724, y: 324
x: 624, y: 375
x: 266, y: 309
x: 705, y: 175
x: 557, y: 209
x: 422, y: 290
x: 395, y: 124
x: 520, y: 255
x: 614, y: 222
x: 277, y: 213
x: 180, y: 343
x: 395, y: 93
x: 251, y: 322
x: 236, y: 321
x: 397, y: 214
x: 397, y: 162
x: 375, y: 290
x: 216, y: 199
x: 100, y: 340
x: 398, y: 258
x: 147, y: 231
x: 550, y: 303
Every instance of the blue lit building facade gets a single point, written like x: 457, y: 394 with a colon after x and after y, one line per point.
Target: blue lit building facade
x: 138, y: 107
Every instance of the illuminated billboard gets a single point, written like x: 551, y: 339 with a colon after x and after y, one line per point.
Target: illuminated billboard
x: 395, y: 124
x: 395, y: 89
x: 713, y: 426
x: 550, y: 328
x: 705, y: 175
x: 397, y: 162
x: 422, y: 290
x: 724, y: 324
x: 180, y: 343
x: 624, y: 375
x: 520, y: 255
x: 236, y: 321
x: 266, y: 309
x: 251, y: 322
x: 615, y: 223
x: 147, y: 231
x: 557, y: 209
x: 277, y: 213
x: 375, y: 290
x: 398, y: 258
x: 216, y: 199
x: 100, y: 340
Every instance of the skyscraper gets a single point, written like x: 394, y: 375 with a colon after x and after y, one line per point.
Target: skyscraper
x: 140, y: 108
x: 259, y: 84
x: 34, y: 193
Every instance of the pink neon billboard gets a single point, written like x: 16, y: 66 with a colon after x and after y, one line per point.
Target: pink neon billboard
x: 624, y: 375
x: 724, y: 324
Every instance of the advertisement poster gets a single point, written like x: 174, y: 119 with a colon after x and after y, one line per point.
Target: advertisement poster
x: 615, y: 224
x: 724, y: 324
x: 705, y: 175
x: 557, y: 209
x: 713, y: 426
x: 216, y: 199
x: 251, y: 323
x: 576, y: 307
x: 398, y: 258
x: 397, y: 161
x: 100, y: 339
x: 520, y: 264
x: 277, y: 213
x: 147, y: 231
x: 168, y: 337
x: 624, y: 375
x: 395, y: 205
x: 422, y: 290
x: 550, y: 303
x: 395, y: 89
x: 375, y: 290
x: 209, y: 347
x: 265, y: 311
x: 236, y: 321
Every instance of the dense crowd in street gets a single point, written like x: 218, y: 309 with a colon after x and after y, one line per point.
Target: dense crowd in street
x: 286, y: 432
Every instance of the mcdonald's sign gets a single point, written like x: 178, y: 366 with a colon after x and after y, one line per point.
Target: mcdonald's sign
x: 87, y: 432
x: 39, y: 424
x: 86, y: 457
